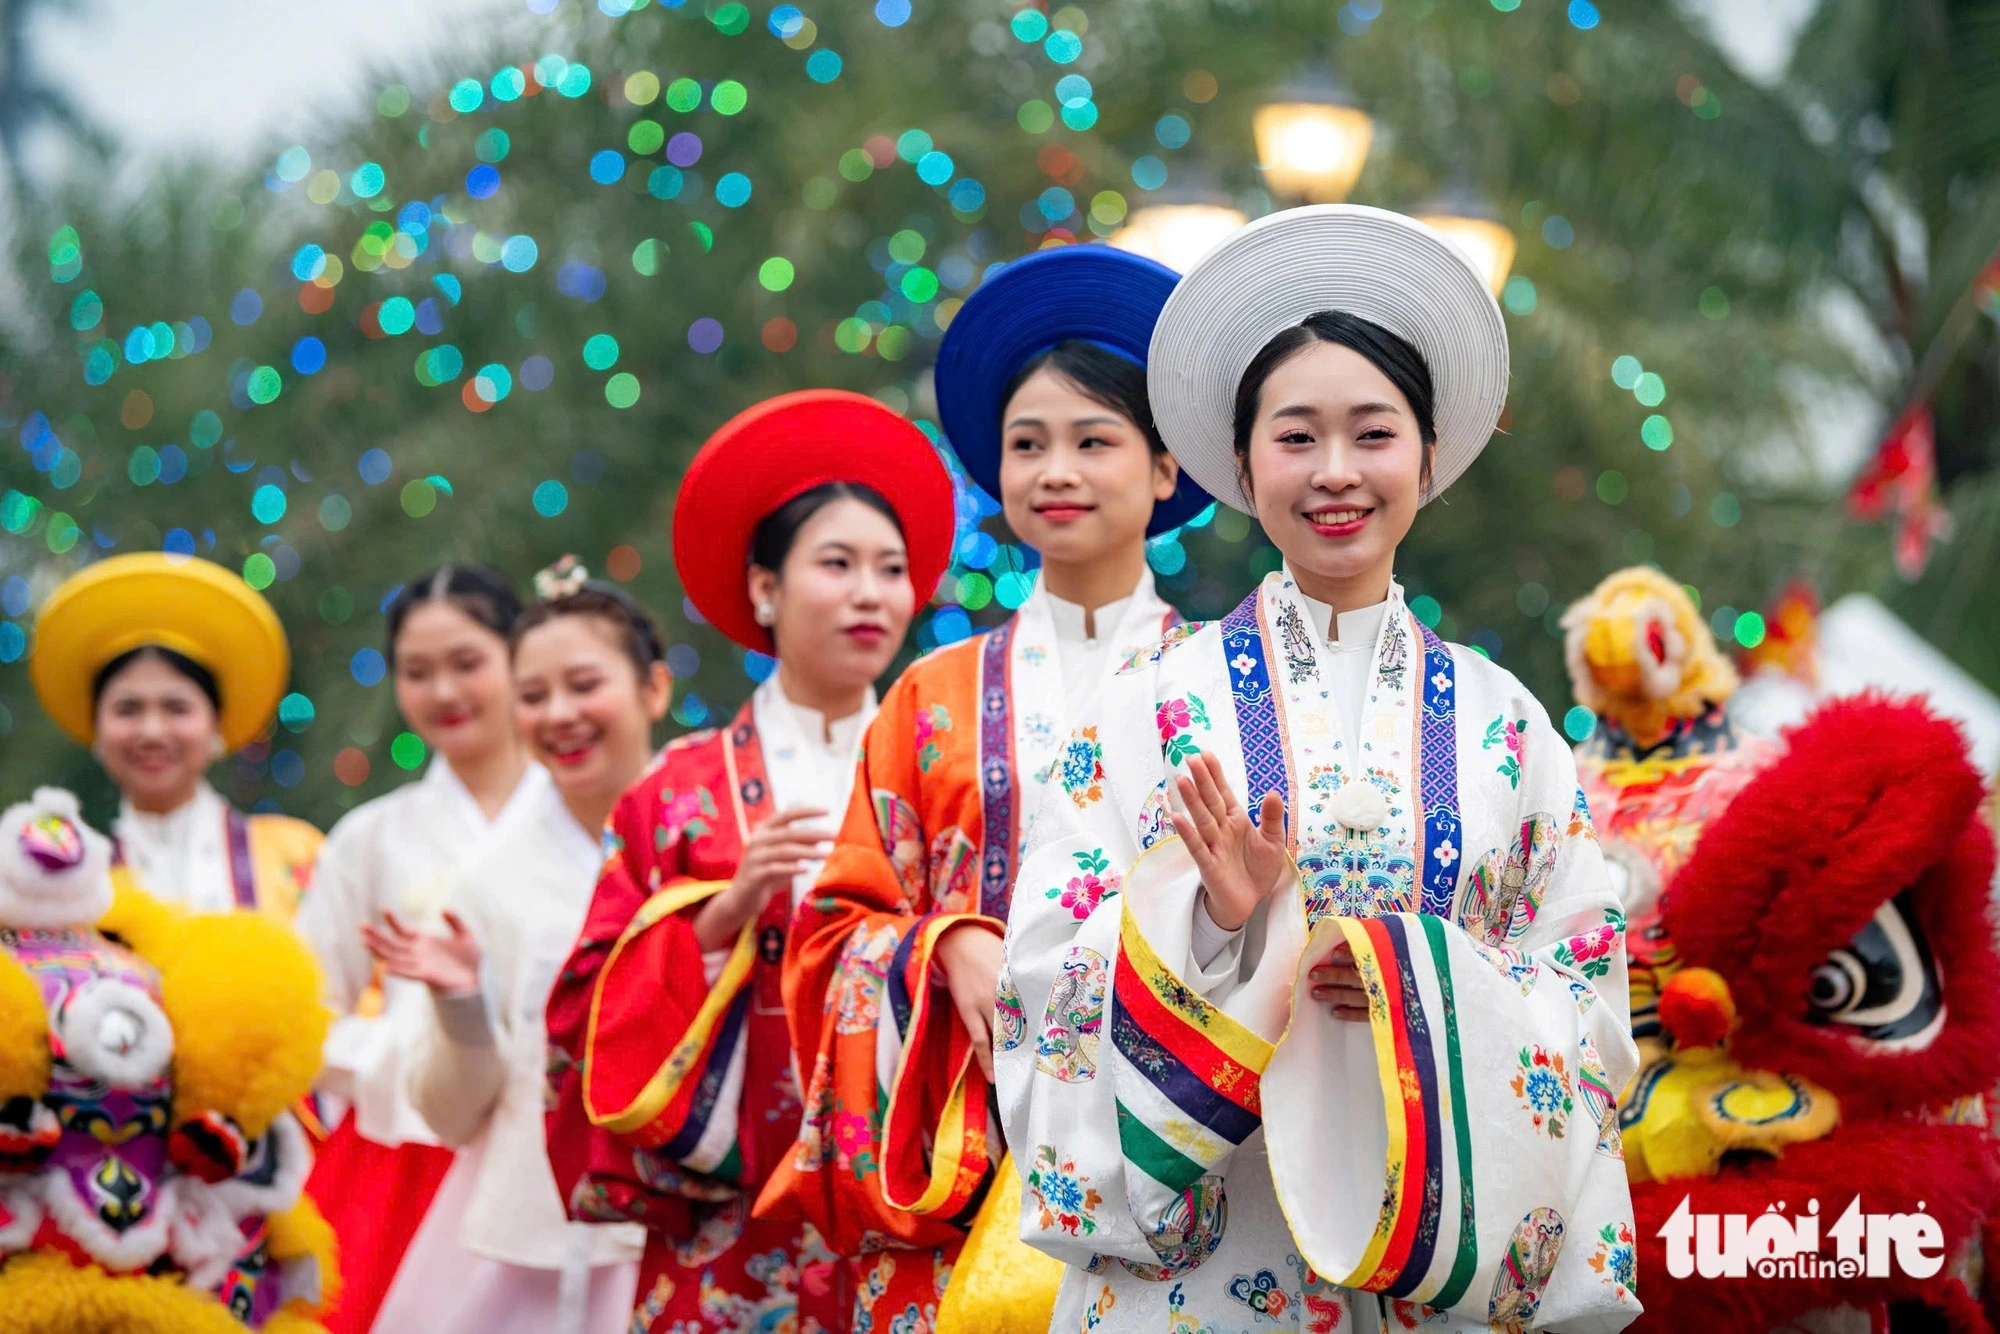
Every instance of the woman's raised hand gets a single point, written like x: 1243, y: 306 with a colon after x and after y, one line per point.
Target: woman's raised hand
x: 448, y: 965
x: 773, y: 855
x: 1241, y: 863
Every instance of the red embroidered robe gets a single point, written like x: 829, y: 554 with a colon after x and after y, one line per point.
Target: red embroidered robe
x: 674, y: 1097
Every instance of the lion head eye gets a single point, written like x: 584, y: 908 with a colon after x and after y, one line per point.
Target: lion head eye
x: 1883, y: 984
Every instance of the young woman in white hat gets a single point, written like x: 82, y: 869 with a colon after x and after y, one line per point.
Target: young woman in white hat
x: 1345, y: 1045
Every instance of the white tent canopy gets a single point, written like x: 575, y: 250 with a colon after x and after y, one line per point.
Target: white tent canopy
x: 1864, y: 646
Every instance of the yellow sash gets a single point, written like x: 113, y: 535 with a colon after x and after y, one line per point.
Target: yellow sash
x: 1000, y: 1285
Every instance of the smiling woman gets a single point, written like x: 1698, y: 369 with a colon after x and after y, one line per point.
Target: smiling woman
x: 1359, y: 886
x: 590, y: 684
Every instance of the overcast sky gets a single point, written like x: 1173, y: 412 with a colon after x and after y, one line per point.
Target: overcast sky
x: 232, y: 77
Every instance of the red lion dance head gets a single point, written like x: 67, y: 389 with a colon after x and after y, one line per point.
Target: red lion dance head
x: 1829, y: 991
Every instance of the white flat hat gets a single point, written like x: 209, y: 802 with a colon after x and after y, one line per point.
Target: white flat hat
x: 1369, y: 262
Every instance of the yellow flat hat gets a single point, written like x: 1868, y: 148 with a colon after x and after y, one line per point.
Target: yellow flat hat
x: 192, y: 606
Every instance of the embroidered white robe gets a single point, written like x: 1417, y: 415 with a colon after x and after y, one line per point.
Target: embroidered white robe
x: 1242, y: 1161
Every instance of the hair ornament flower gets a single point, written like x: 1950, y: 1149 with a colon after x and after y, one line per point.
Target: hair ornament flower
x: 561, y: 579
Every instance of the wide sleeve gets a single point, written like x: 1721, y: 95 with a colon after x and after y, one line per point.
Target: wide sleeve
x: 1112, y: 1136
x: 601, y: 1174
x: 895, y: 1141
x: 1480, y: 1170
x: 458, y: 1065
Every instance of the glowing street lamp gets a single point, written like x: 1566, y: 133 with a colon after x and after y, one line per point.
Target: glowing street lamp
x: 1178, y: 234
x: 1471, y: 225
x: 1312, y: 141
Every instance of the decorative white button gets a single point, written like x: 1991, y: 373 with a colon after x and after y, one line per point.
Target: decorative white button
x: 1358, y: 806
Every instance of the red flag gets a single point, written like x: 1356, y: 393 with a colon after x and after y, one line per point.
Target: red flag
x: 1903, y: 468
x: 1902, y: 479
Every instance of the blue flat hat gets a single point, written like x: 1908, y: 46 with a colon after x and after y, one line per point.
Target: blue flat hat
x: 1090, y: 293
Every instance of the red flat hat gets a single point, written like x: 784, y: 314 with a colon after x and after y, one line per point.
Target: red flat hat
x: 782, y: 448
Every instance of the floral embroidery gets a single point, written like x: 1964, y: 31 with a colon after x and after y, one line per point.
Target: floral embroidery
x: 1034, y: 655
x: 854, y: 1137
x: 687, y: 813
x: 1176, y: 718
x: 1543, y: 1086
x: 1617, y: 1259
x: 1063, y: 1196
x: 1261, y: 1293
x: 1180, y: 998
x: 1010, y: 1016
x: 863, y: 971
x: 1395, y: 654
x: 1073, y: 1023
x: 1589, y: 953
x: 1445, y: 853
x: 1085, y: 891
x: 1300, y: 661
x: 1083, y: 768
x: 930, y: 722
x: 1514, y: 736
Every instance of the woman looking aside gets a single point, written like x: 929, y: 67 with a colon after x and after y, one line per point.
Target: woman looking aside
x: 811, y: 527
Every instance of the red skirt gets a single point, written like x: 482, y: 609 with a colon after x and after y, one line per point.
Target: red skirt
x: 375, y: 1196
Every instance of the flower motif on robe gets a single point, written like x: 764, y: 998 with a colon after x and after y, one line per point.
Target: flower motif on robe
x: 1074, y: 1021
x: 1542, y: 1083
x: 1177, y: 718
x: 1093, y: 1314
x: 687, y: 814
x: 1580, y: 823
x: 1590, y: 953
x: 1525, y: 1271
x: 1010, y: 1016
x: 863, y: 972
x: 854, y: 1136
x: 1178, y: 1320
x: 1082, y: 768
x: 1513, y: 965
x: 1512, y: 735
x: 1062, y: 1196
x: 930, y: 721
x: 1094, y: 882
x: 1617, y: 1259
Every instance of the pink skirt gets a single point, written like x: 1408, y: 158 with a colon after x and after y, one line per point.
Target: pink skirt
x: 442, y: 1288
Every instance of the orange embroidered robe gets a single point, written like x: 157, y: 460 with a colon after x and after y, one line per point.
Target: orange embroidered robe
x: 898, y: 1141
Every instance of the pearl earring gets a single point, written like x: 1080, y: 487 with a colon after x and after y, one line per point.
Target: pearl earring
x: 766, y: 614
